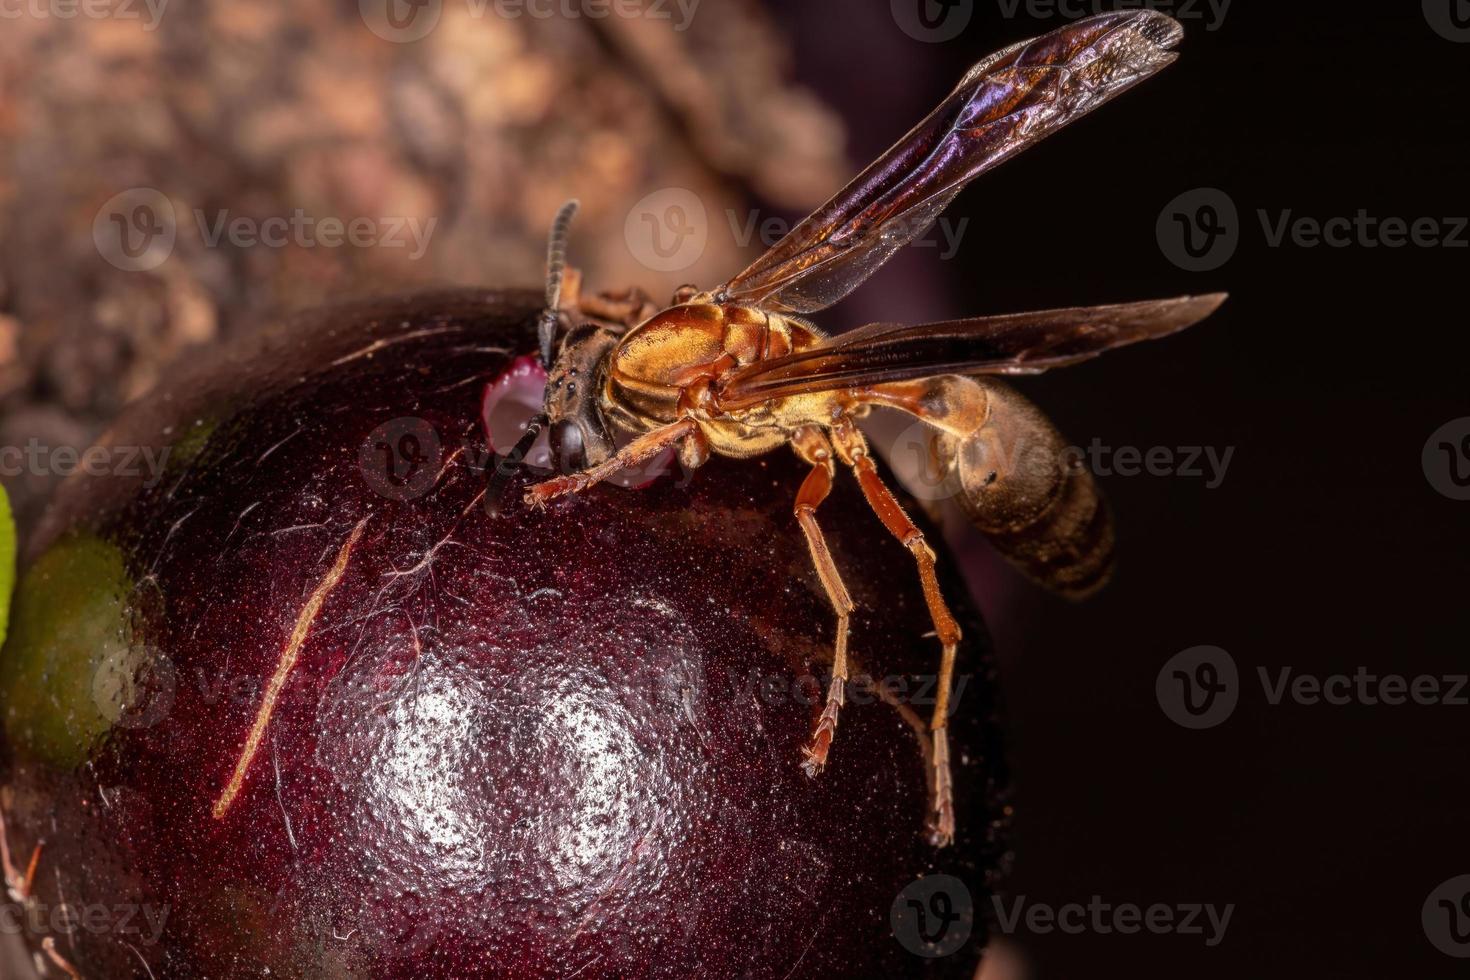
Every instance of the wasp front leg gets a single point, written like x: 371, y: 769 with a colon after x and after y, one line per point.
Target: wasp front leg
x: 813, y: 447
x: 644, y: 447
x: 854, y: 450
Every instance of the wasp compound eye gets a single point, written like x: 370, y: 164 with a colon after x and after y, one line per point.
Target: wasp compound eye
x: 568, y: 449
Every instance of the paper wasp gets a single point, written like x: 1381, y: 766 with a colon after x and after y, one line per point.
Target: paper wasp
x: 736, y: 370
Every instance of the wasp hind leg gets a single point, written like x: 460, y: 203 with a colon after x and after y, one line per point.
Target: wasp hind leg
x: 813, y: 447
x: 854, y: 450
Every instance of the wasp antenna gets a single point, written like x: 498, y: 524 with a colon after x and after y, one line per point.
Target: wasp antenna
x: 556, y: 263
x: 506, y: 466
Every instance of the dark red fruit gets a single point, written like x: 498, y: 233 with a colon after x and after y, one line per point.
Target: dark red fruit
x: 546, y: 745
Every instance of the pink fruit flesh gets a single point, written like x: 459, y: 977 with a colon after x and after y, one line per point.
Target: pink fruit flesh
x: 550, y: 744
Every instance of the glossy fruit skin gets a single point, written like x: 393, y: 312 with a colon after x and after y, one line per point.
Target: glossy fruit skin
x: 513, y: 747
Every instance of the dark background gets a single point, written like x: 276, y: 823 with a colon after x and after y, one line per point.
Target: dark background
x: 1324, y: 549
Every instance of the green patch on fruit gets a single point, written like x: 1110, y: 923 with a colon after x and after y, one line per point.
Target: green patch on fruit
x: 190, y: 443
x: 7, y: 560
x: 68, y: 632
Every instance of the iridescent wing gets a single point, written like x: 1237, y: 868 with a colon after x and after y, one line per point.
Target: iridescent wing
x: 1004, y: 104
x: 1015, y: 343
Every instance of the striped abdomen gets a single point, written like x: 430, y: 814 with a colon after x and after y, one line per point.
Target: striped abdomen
x: 1023, y: 486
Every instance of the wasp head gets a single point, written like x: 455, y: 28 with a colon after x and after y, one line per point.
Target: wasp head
x: 579, y: 436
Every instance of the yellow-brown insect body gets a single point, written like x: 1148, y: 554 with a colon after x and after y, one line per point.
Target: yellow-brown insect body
x: 1010, y: 468
x: 658, y: 365
x: 734, y: 370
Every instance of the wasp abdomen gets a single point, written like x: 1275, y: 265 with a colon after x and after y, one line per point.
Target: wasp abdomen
x: 1030, y: 492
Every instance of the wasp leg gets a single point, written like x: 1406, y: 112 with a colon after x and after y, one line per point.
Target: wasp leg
x: 813, y: 447
x: 854, y: 449
x: 645, y: 446
x: 48, y: 946
x: 16, y: 885
x: 628, y: 308
x: 905, y: 713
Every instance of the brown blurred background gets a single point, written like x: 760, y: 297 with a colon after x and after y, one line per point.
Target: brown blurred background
x: 457, y: 147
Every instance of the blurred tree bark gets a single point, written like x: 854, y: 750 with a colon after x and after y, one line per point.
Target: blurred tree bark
x: 272, y: 109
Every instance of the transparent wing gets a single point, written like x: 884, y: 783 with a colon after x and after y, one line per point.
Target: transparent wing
x: 1015, y: 343
x: 1004, y: 104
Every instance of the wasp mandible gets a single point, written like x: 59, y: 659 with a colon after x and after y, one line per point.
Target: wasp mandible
x: 736, y: 369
